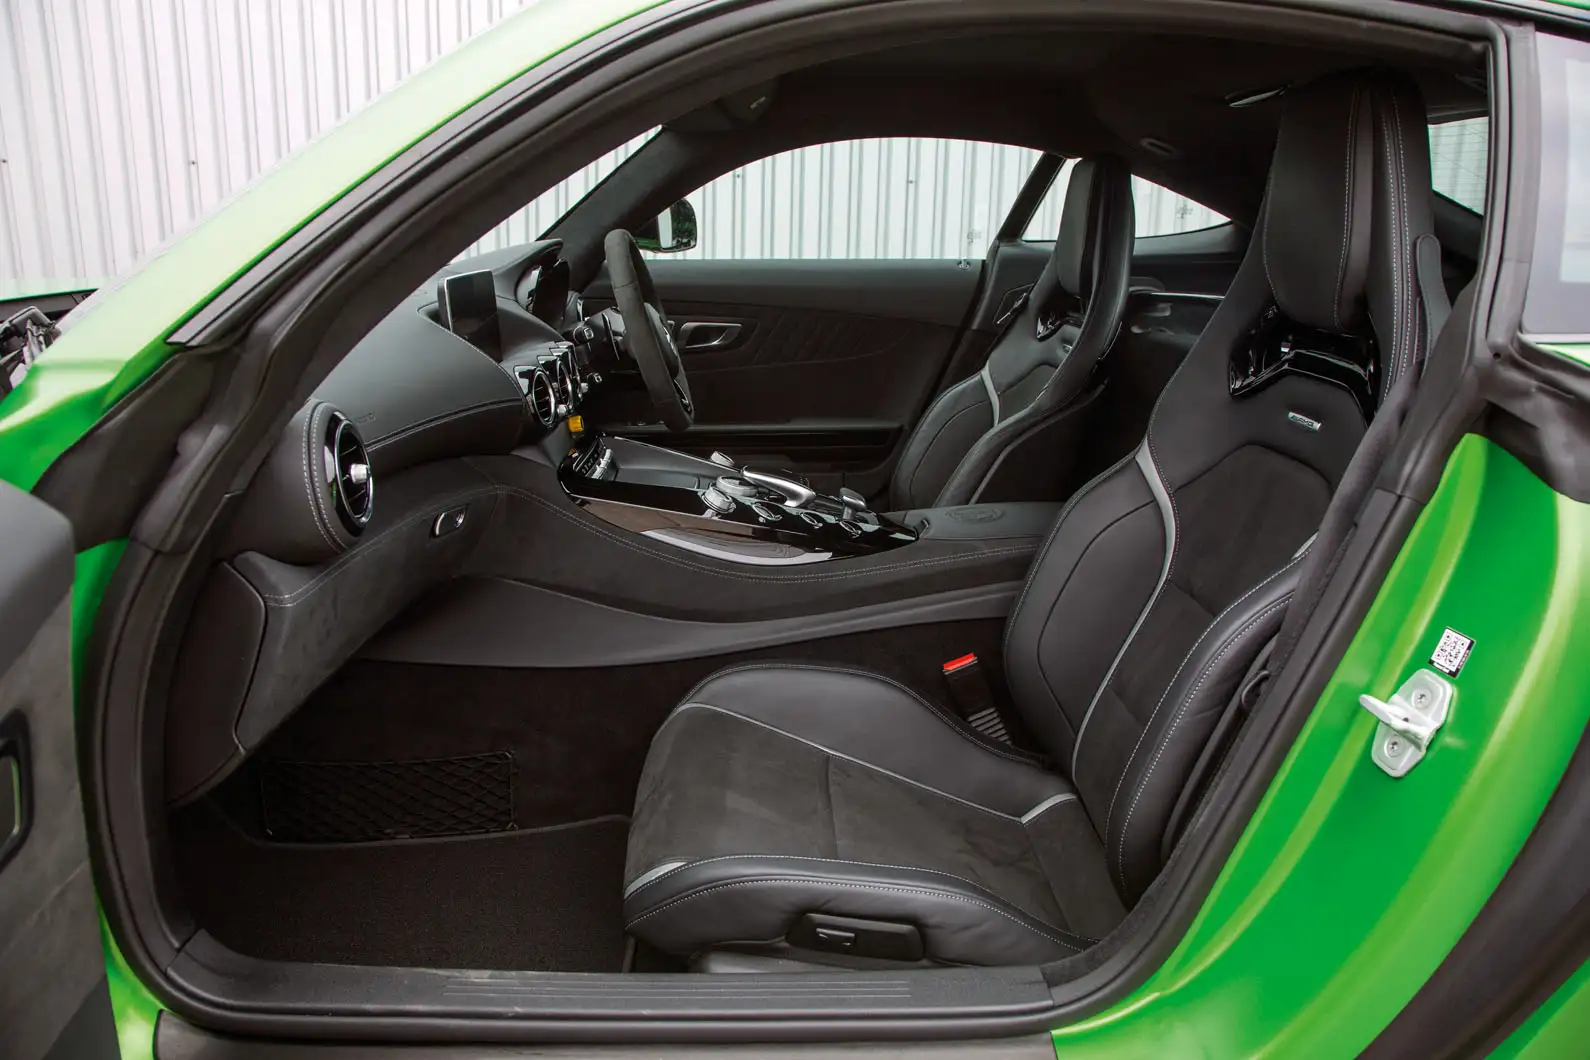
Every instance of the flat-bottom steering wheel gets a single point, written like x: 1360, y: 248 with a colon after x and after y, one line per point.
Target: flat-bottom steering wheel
x: 646, y: 331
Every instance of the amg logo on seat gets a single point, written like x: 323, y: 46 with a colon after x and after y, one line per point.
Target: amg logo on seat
x: 1306, y: 422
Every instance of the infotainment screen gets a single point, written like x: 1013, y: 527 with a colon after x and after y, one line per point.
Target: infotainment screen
x: 467, y: 304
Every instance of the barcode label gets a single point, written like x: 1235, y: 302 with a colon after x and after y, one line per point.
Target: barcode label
x: 1451, y: 653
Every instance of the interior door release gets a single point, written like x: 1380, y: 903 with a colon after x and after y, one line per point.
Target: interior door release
x: 1409, y: 720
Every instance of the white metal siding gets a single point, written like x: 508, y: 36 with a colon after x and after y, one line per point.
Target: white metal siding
x: 124, y: 121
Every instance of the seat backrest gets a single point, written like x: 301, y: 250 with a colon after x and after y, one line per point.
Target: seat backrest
x: 1040, y: 363
x: 1165, y: 576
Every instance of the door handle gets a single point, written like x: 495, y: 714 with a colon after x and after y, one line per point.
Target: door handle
x: 706, y: 335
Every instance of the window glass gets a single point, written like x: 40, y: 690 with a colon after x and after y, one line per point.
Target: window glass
x: 526, y: 224
x: 1159, y: 211
x: 1558, y: 302
x: 901, y: 197
x: 1458, y: 160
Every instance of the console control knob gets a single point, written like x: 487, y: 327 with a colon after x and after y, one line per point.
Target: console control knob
x: 721, y: 459
x: 736, y: 487
x: 717, y: 500
x: 850, y: 528
x: 813, y: 521
x: 766, y: 514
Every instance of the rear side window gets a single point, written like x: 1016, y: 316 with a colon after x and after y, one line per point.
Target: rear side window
x: 1558, y: 302
x: 1159, y: 211
x: 1460, y: 161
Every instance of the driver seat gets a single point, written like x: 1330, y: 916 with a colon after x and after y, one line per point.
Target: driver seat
x: 1009, y: 432
x: 837, y: 814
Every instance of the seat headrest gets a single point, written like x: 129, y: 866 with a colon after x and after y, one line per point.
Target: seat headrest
x: 1099, y: 190
x: 1317, y: 210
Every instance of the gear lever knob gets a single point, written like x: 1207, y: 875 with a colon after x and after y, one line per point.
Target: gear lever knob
x: 854, y: 502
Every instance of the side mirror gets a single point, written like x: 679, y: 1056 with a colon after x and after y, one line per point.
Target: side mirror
x: 672, y: 232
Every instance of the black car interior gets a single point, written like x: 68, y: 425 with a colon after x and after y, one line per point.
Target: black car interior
x: 903, y: 630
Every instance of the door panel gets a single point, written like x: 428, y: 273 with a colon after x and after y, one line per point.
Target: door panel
x: 822, y: 364
x: 53, y: 1000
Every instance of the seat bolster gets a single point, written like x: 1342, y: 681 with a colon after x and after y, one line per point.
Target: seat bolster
x: 1159, y: 766
x: 946, y: 431
x: 755, y: 899
x: 881, y: 724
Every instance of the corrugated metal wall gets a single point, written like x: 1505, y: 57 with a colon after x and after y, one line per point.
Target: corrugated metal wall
x: 124, y: 121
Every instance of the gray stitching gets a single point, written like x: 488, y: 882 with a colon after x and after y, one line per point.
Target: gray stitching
x: 1347, y: 206
x: 1034, y: 928
x: 1043, y: 552
x: 1196, y: 644
x: 311, y: 490
x: 1164, y: 740
x: 796, y: 857
x: 932, y: 708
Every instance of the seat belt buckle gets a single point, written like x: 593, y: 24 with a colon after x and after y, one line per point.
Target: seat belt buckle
x: 973, y: 697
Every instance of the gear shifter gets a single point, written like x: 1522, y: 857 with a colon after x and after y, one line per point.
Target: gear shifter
x: 854, y: 502
x: 795, y: 494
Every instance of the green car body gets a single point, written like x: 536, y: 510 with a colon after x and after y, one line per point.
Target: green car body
x: 1347, y: 889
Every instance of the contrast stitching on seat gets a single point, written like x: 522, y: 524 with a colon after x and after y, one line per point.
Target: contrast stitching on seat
x: 949, y: 721
x: 1347, y: 205
x: 1181, y: 712
x: 678, y: 711
x: 1046, y: 805
x: 1162, y: 495
x: 860, y: 572
x: 1043, y: 551
x: 1177, y: 675
x: 638, y: 886
x: 927, y: 446
x: 1044, y: 930
x: 652, y: 875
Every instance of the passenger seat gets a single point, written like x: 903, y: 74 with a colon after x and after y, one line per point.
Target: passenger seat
x: 1010, y: 432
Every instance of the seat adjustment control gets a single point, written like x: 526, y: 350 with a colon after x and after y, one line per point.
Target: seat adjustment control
x: 862, y: 938
x: 449, y: 522
x: 1409, y: 720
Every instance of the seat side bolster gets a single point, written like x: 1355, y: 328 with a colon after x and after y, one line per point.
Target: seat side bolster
x: 947, y: 429
x: 1181, y: 723
x: 757, y: 899
x: 865, y: 718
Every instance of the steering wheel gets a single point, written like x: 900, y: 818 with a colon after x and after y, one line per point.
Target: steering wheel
x: 646, y: 331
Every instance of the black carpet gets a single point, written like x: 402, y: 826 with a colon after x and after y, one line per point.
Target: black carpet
x: 547, y: 900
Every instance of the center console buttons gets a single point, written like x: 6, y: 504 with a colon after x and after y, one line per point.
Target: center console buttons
x: 850, y: 528
x: 717, y: 500
x: 766, y: 514
x: 813, y: 521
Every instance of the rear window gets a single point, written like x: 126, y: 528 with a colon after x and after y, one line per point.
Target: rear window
x: 1459, y: 160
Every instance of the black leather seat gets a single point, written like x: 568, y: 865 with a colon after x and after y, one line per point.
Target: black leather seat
x: 1008, y: 432
x: 778, y: 791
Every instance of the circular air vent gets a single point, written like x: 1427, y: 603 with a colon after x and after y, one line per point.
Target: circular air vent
x: 348, y: 472
x: 543, y: 398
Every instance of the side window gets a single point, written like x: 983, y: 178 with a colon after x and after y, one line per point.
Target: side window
x: 1459, y: 160
x: 526, y: 224
x: 900, y: 197
x: 1159, y: 211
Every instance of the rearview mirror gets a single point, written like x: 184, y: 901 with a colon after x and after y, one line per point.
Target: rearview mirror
x: 674, y: 231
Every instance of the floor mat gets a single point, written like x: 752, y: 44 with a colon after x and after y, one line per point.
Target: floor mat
x: 545, y: 899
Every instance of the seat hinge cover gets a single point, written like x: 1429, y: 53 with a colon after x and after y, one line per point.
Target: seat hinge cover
x: 1409, y: 720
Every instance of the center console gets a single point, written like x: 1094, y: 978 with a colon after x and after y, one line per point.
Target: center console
x: 719, y: 509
